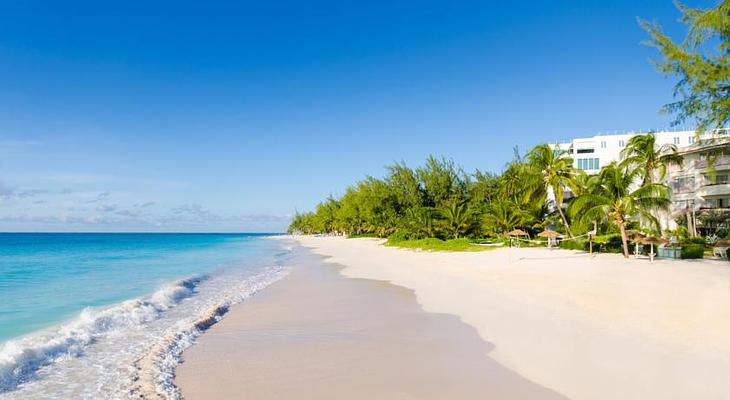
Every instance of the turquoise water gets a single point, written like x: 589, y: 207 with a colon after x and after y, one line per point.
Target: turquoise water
x: 99, y: 298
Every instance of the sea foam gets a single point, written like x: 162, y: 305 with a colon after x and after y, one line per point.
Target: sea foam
x: 21, y: 358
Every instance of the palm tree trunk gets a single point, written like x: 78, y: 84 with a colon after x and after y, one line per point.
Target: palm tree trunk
x: 624, y: 239
x: 565, y: 222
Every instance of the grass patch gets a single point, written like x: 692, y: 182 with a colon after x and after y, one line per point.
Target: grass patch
x: 363, y: 235
x: 434, y: 244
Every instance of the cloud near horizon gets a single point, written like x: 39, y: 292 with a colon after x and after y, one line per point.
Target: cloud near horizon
x: 68, y: 210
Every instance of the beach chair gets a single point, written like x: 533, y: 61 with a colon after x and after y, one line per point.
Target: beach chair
x: 720, y: 252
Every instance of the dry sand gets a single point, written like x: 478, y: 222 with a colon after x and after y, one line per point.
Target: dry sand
x: 318, y: 335
x: 588, y: 328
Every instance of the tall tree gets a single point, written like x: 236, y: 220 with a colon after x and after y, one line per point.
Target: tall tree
x: 442, y: 181
x: 702, y: 63
x: 615, y: 198
x: 556, y: 174
x: 643, y: 153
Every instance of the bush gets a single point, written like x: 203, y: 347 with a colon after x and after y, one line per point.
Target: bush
x: 398, y: 236
x: 722, y: 233
x: 574, y: 245
x: 695, y: 240
x: 362, y: 235
x: 435, y: 244
x: 692, y: 251
x: 608, y: 243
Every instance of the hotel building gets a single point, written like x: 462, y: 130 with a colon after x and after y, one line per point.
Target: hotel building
x: 700, y: 188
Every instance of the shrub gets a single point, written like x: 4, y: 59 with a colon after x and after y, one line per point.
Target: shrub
x: 693, y: 250
x: 608, y: 243
x: 723, y: 233
x: 398, y: 236
x: 435, y: 244
x: 695, y: 240
x: 574, y: 245
x: 362, y: 235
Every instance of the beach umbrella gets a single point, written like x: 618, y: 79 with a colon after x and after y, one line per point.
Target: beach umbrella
x: 516, y: 232
x: 549, y: 234
x: 652, y: 240
x: 637, y: 237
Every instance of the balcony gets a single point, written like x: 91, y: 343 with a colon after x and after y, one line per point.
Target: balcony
x: 724, y: 209
x: 682, y: 188
x: 714, y: 190
x: 719, y: 161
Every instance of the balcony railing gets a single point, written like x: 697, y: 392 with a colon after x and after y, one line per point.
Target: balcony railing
x: 719, y: 161
x: 679, y: 189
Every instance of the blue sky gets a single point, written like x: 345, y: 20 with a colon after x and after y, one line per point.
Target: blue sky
x: 229, y: 117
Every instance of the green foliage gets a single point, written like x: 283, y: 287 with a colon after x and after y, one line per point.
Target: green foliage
x: 397, y: 237
x: 555, y: 172
x: 362, y: 235
x: 437, y: 199
x: 457, y: 218
x: 651, y: 161
x: 429, y: 206
x: 575, y: 245
x: 701, y: 62
x: 611, y: 243
x: 693, y: 250
x: 614, y: 197
x: 435, y: 244
x: 695, y: 240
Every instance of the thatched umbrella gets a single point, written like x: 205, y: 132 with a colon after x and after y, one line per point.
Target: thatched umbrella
x: 637, y: 237
x: 516, y: 233
x: 549, y: 234
x: 652, y: 240
x: 723, y: 243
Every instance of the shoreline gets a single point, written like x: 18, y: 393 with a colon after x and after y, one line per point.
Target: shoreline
x: 600, y: 328
x: 318, y: 334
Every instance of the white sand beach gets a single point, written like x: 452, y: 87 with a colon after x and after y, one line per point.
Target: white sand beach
x: 318, y: 335
x: 587, y: 328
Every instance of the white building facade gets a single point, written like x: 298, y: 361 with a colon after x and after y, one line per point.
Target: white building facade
x: 701, y: 186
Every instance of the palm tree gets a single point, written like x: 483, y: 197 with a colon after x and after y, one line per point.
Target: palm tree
x: 615, y: 197
x: 420, y: 221
x: 457, y: 217
x: 503, y: 216
x: 556, y: 173
x: 643, y: 153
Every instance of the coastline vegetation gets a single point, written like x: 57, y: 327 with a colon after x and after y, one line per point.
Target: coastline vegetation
x: 436, y: 244
x: 440, y: 206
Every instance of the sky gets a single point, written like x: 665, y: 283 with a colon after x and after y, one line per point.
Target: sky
x: 230, y: 117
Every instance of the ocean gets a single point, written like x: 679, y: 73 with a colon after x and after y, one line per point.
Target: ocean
x: 89, y: 315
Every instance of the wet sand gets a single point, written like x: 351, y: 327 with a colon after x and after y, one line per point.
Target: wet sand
x: 318, y: 335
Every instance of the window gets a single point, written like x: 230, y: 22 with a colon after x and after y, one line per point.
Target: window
x: 603, y: 144
x: 719, y: 179
x: 691, y: 140
x: 584, y: 151
x: 716, y: 203
x: 676, y: 140
x: 621, y: 143
x: 683, y: 184
x: 587, y: 163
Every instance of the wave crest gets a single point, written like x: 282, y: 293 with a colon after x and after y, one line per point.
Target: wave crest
x: 20, y: 359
